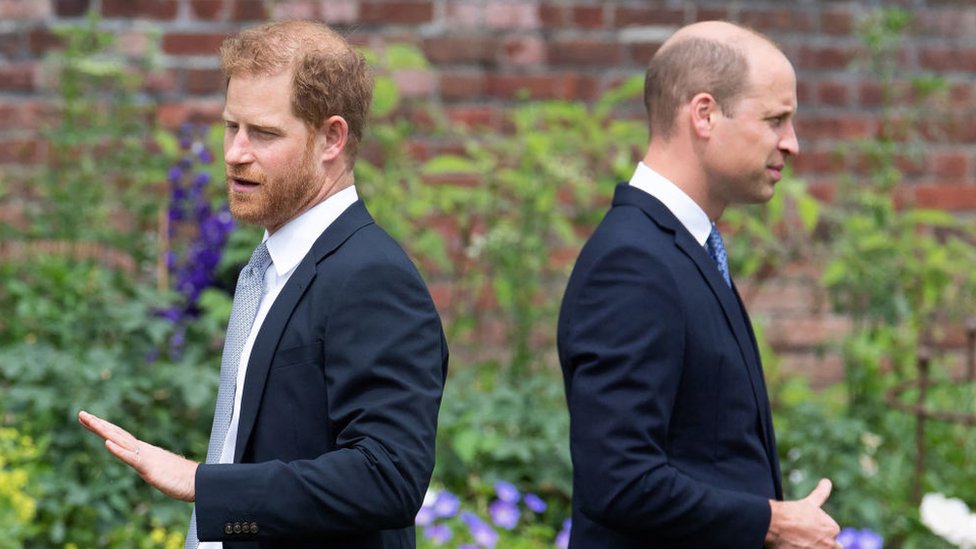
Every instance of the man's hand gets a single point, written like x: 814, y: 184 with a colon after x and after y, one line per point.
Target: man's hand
x: 171, y: 474
x: 803, y: 523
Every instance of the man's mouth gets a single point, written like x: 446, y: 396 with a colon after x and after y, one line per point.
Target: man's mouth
x: 240, y: 184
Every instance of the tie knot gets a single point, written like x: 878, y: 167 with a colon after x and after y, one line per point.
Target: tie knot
x: 259, y: 257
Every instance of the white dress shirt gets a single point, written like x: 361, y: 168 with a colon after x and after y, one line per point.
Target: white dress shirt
x: 288, y: 246
x: 688, y: 212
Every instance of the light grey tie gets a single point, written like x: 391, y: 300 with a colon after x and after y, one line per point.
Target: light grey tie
x: 247, y: 297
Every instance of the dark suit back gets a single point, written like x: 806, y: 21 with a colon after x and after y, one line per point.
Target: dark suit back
x: 671, y: 434
x: 338, y: 417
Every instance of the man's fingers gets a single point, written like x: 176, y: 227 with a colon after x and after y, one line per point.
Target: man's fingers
x: 109, y: 431
x: 129, y: 456
x: 820, y: 494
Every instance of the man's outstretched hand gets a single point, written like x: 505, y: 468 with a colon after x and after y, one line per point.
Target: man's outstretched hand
x: 171, y: 474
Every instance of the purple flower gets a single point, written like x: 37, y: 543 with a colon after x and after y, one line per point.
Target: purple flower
x: 482, y: 532
x: 467, y: 546
x: 446, y: 505
x: 425, y: 516
x: 852, y: 538
x: 206, y: 156
x: 504, y: 514
x: 438, y: 533
x: 175, y: 174
x: 562, y: 538
x: 507, y: 492
x: 534, y: 503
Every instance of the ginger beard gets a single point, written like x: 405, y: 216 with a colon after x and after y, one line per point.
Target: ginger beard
x: 275, y: 199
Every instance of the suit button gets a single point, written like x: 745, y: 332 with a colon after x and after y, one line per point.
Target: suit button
x: 228, y: 528
x: 254, y: 528
x: 237, y: 528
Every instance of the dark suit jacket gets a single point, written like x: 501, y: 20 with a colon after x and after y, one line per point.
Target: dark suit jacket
x: 335, y: 446
x: 671, y: 435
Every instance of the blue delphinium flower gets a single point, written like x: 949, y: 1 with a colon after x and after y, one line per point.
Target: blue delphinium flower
x: 534, y: 503
x: 425, y: 516
x: 852, y: 538
x: 481, y: 531
x: 504, y: 514
x: 446, y: 505
x: 507, y: 492
x: 562, y: 538
x: 438, y: 533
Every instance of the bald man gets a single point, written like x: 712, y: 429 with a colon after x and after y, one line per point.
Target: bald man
x: 671, y: 432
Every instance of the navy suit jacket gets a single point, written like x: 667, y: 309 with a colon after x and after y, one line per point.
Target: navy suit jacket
x: 335, y: 446
x: 670, y: 433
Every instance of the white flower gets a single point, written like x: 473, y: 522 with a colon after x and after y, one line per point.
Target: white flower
x: 950, y: 519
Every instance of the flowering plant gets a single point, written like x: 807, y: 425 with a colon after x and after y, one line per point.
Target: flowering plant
x: 510, y: 519
x: 852, y: 538
x: 950, y: 519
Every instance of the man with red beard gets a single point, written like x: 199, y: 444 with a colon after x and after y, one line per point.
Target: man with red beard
x: 335, y: 359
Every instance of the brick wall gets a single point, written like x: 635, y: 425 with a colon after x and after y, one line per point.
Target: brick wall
x: 484, y: 52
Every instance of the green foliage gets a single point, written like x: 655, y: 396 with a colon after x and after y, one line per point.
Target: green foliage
x: 494, y: 429
x: 19, y: 468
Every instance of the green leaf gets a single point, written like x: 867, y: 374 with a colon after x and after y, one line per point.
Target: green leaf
x: 386, y: 96
x: 405, y: 56
x: 447, y: 164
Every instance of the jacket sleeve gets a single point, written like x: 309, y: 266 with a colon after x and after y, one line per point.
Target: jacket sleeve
x: 622, y: 345
x: 385, y: 361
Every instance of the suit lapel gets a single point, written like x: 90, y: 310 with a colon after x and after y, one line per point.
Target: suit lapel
x: 266, y: 342
x: 727, y: 298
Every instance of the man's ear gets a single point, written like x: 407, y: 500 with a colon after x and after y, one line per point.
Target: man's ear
x: 333, y: 136
x: 702, y: 110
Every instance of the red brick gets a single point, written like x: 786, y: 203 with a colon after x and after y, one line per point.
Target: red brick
x: 473, y: 115
x: 20, y: 151
x: 711, y: 13
x: 11, y: 44
x: 832, y: 93
x: 950, y: 165
x: 825, y: 56
x: 817, y: 161
x: 377, y: 12
x: 524, y: 50
x: 822, y: 370
x: 189, y: 43
x: 171, y: 115
x: 207, y: 9
x: 205, y: 81
x: 293, y: 9
x: 162, y: 81
x: 552, y: 15
x: 17, y: 76
x: 539, y: 86
x: 455, y: 49
x: 148, y: 9
x: 780, y: 296
x: 25, y: 114
x: 71, y: 8
x: 339, y: 11
x: 505, y: 14
x: 24, y: 10
x: 822, y: 189
x: 961, y: 94
x: 42, y: 40
x: 870, y: 94
x: 779, y: 20
x: 455, y: 85
x: 946, y: 23
x: 629, y: 16
x: 837, y: 22
x: 946, y: 196
x: 836, y: 127
x: 806, y: 332
x: 589, y: 17
x: 465, y: 14
x: 947, y: 59
x: 641, y: 53
x: 415, y: 82
x: 251, y: 10
x: 585, y: 52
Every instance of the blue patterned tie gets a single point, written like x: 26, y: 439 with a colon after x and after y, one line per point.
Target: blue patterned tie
x: 716, y: 250
x: 247, y: 297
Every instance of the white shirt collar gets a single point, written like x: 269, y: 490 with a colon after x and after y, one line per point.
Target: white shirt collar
x: 689, y: 213
x: 289, y: 244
